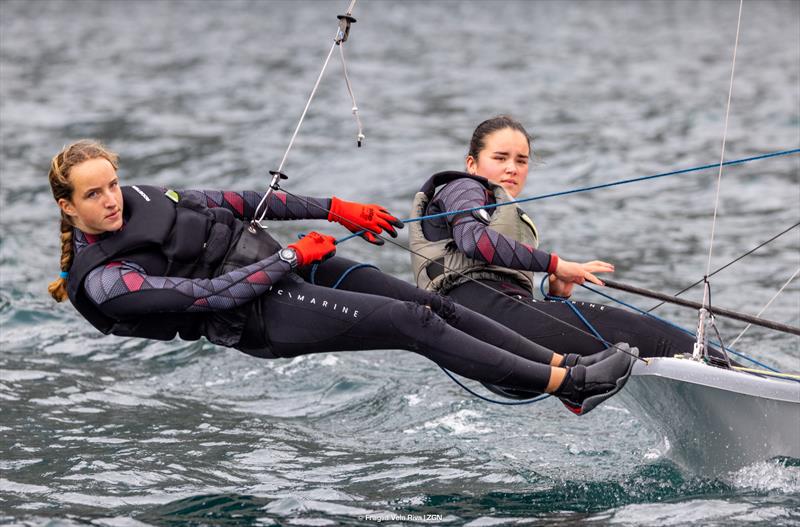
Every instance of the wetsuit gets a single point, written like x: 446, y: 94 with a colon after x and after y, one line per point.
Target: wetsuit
x: 287, y: 316
x: 549, y: 323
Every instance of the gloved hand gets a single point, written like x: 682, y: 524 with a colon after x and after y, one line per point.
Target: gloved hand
x: 314, y: 247
x: 361, y: 217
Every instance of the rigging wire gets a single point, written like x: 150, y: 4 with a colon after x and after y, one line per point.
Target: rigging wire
x: 360, y: 135
x: 766, y: 306
x: 700, y: 348
x: 676, y: 326
x: 751, y: 251
x: 724, y: 139
x: 342, y: 32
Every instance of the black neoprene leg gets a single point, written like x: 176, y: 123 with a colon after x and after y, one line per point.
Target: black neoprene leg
x: 372, y: 281
x: 555, y: 326
x: 301, y: 318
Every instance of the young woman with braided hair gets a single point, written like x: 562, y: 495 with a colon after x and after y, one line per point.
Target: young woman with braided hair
x: 155, y: 263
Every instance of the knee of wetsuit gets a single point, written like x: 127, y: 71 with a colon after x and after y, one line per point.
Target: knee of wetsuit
x: 410, y: 318
x: 443, y: 306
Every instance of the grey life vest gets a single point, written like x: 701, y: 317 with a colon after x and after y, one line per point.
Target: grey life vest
x: 439, y: 265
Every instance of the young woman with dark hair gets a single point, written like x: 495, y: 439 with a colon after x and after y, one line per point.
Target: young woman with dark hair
x: 485, y: 260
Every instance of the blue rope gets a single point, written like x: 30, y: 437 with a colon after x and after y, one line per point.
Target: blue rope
x: 350, y: 270
x: 313, y: 276
x: 574, y: 309
x: 607, y: 185
x: 594, y: 187
x: 495, y: 401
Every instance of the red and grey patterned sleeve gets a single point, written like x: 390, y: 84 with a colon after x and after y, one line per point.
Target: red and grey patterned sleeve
x: 476, y: 239
x: 280, y: 206
x: 123, y: 289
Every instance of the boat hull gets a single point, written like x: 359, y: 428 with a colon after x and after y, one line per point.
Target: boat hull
x: 716, y: 420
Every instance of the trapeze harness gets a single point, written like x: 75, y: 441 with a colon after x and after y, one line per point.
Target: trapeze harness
x: 439, y: 265
x: 170, y: 236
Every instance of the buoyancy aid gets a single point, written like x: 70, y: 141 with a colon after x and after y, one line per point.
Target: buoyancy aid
x: 168, y: 235
x: 439, y: 265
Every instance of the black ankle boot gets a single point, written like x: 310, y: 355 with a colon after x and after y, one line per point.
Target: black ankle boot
x: 573, y: 359
x: 585, y: 387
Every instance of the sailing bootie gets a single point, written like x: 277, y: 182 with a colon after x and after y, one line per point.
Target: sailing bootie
x: 585, y: 387
x: 573, y: 359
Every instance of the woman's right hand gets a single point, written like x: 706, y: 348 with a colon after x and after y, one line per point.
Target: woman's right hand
x: 578, y: 273
x: 314, y: 247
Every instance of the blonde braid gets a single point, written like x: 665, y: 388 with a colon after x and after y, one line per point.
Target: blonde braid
x: 58, y: 287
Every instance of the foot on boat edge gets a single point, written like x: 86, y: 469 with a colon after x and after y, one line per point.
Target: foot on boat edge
x: 585, y: 387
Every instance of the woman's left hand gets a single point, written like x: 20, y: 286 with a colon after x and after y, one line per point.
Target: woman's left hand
x: 557, y: 287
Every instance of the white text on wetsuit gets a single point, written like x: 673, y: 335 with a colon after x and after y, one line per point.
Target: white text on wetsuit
x: 345, y: 310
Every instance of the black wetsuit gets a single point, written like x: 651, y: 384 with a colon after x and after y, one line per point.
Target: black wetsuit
x: 549, y: 323
x: 288, y: 316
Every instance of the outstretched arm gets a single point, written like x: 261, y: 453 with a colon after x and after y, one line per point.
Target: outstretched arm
x: 356, y: 217
x: 280, y: 206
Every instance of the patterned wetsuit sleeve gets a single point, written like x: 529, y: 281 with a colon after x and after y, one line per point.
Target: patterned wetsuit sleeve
x: 280, y: 206
x: 123, y: 289
x: 477, y: 240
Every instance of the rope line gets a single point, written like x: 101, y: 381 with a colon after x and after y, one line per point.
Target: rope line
x: 337, y: 41
x: 612, y: 184
x: 768, y: 304
x: 751, y: 251
x: 595, y: 187
x: 360, y: 134
x: 350, y: 270
x: 724, y: 139
x: 573, y: 307
x: 665, y: 321
x: 466, y: 388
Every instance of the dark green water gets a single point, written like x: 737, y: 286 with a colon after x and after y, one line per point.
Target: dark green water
x: 199, y: 94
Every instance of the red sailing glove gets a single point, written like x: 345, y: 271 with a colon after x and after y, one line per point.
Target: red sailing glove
x: 358, y: 217
x: 314, y: 247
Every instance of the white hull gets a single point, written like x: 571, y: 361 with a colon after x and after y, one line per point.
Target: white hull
x: 716, y: 420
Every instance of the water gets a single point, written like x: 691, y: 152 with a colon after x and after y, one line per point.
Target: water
x: 120, y: 432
